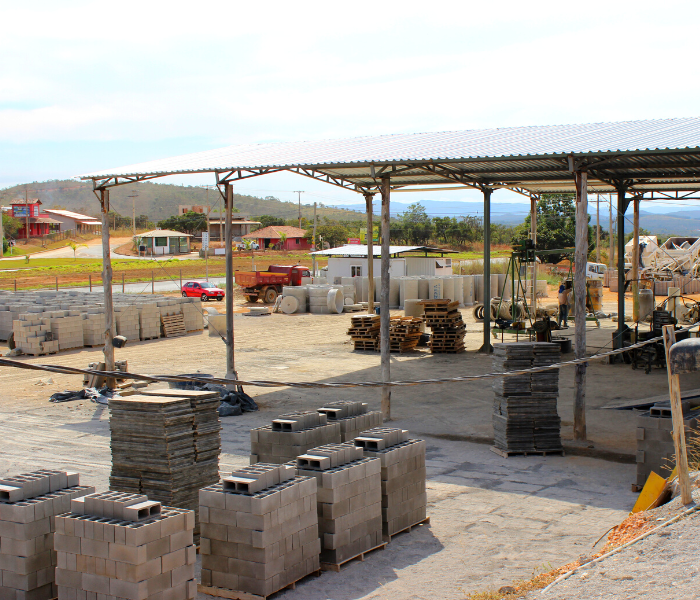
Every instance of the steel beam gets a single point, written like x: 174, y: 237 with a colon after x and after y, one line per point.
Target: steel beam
x: 486, y: 347
x: 385, y: 317
x: 622, y: 204
x: 228, y: 241
x: 370, y: 253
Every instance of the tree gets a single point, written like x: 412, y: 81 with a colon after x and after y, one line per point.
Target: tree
x: 416, y: 226
x: 556, y: 225
x: 10, y: 225
x: 283, y: 240
x: 143, y: 222
x: 268, y: 220
x: 333, y: 233
x: 74, y: 247
x: 190, y: 222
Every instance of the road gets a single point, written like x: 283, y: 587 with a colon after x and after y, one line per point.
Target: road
x: 144, y: 287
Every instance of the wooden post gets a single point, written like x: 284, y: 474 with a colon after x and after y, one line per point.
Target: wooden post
x: 153, y: 283
x: 370, y: 253
x: 15, y: 285
x: 597, y: 228
x: 611, y: 258
x: 180, y: 279
x: 2, y: 234
x: 110, y: 330
x: 674, y: 390
x: 486, y: 347
x: 580, y: 259
x: 123, y: 286
x: 57, y: 283
x: 635, y: 259
x: 533, y: 236
x: 228, y: 234
x: 622, y: 204
x: 90, y: 280
x: 385, y: 317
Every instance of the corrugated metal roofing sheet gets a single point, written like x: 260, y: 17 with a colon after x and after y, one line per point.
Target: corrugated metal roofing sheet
x: 509, y: 142
x: 360, y: 251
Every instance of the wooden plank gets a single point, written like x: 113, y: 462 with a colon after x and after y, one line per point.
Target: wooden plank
x: 426, y: 521
x: 509, y: 453
x: 337, y: 566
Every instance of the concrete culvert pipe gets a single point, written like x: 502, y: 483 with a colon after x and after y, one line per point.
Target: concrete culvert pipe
x: 348, y: 301
x: 478, y: 312
x: 336, y: 302
x: 412, y: 308
x: 300, y: 293
x: 289, y: 305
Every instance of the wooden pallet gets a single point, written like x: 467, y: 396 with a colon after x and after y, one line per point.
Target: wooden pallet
x: 237, y: 595
x: 361, y: 557
x: 508, y: 453
x: 173, y: 325
x: 388, y: 538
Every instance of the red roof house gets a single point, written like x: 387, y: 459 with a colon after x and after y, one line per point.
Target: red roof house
x: 29, y: 213
x: 269, y: 237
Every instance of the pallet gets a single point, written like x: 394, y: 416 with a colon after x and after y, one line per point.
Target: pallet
x: 509, y: 453
x: 152, y: 337
x: 173, y: 325
x: 336, y: 567
x: 237, y: 595
x: 388, y: 538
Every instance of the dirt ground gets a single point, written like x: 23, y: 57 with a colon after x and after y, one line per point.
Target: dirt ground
x: 493, y: 520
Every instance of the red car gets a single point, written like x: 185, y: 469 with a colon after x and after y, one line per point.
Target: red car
x: 202, y: 289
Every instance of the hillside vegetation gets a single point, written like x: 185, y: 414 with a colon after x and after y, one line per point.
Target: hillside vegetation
x: 159, y: 201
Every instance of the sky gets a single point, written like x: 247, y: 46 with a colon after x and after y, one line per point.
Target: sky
x: 85, y: 86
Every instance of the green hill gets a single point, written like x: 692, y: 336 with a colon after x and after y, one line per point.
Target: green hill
x: 159, y: 201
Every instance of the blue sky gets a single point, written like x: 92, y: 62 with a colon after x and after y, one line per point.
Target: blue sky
x: 85, y: 86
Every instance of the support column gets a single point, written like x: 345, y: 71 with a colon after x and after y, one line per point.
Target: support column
x: 597, y: 228
x: 486, y: 347
x: 635, y: 259
x: 370, y: 253
x: 384, y: 302
x: 110, y: 330
x: 622, y: 204
x: 581, y: 256
x: 611, y: 258
x: 228, y: 244
x: 533, y: 237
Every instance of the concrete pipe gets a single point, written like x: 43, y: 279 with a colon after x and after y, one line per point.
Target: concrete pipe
x: 300, y: 293
x: 335, y: 302
x: 423, y: 288
x: 435, y: 288
x: 289, y: 305
x: 495, y: 289
x: 646, y: 303
x: 412, y: 308
x: 478, y: 312
x: 468, y: 289
x: 478, y: 288
x: 448, y: 288
x: 409, y: 290
x: 459, y: 290
x: 217, y: 325
x: 394, y: 293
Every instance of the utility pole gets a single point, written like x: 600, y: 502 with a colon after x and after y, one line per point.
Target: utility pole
x: 26, y: 214
x: 313, y: 242
x: 2, y: 234
x: 597, y: 229
x: 299, y: 192
x: 133, y: 211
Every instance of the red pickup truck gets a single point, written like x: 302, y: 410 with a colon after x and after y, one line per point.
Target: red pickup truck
x: 267, y: 285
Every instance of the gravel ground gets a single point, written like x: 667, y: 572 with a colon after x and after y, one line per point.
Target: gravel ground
x: 663, y: 566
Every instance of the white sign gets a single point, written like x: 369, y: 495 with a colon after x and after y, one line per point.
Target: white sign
x: 205, y: 240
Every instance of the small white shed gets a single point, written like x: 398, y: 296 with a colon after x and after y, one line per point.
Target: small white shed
x: 163, y: 241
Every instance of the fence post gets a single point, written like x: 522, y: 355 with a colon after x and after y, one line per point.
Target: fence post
x: 180, y: 278
x: 123, y: 289
x: 15, y: 285
x: 57, y: 283
x: 153, y: 283
x: 90, y: 280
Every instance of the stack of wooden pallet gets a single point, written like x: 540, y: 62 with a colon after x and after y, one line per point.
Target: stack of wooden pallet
x: 364, y: 332
x: 404, y: 333
x: 444, y: 318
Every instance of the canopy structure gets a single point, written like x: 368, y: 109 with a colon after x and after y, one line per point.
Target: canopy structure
x: 652, y: 159
x: 361, y: 251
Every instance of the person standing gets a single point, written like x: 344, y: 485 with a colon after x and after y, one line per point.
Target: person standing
x: 563, y: 305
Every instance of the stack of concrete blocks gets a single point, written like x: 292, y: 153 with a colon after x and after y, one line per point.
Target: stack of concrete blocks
x: 33, y: 335
x: 349, y: 499
x: 169, y: 306
x: 29, y: 504
x: 94, y: 327
x: 67, y: 328
x: 404, y: 499
x: 194, y: 315
x: 353, y: 417
x: 259, y: 530
x: 655, y: 449
x: 127, y: 321
x: 113, y: 545
x: 149, y: 321
x: 290, y: 435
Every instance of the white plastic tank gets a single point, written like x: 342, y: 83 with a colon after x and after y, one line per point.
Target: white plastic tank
x: 503, y: 290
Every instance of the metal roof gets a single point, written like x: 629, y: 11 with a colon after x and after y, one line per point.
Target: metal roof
x: 70, y: 214
x: 653, y: 154
x: 360, y: 251
x: 162, y: 233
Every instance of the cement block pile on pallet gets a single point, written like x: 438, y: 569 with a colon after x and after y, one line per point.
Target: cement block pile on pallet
x: 149, y: 321
x: 29, y: 504
x: 154, y: 442
x: 113, y: 545
x: 290, y: 435
x: 353, y: 417
x: 33, y: 335
x: 259, y: 530
x: 525, y: 415
x: 128, y: 322
x: 67, y: 328
x: 94, y: 326
x: 349, y: 500
x: 194, y: 316
x: 404, y: 499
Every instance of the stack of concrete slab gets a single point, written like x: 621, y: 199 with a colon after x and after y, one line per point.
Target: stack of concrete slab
x: 125, y: 546
x: 154, y: 449
x: 349, y: 500
x: 29, y: 504
x: 259, y: 530
x: 194, y: 316
x: 404, y: 499
x: 33, y: 335
x: 67, y: 328
x: 353, y: 417
x: 94, y: 327
x: 525, y: 415
x: 149, y: 321
x: 290, y: 435
x: 169, y: 307
x: 128, y: 322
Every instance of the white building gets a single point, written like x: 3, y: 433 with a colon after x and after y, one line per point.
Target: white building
x: 351, y: 261
x: 75, y: 221
x: 162, y: 241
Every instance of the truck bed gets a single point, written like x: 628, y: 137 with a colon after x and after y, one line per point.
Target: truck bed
x: 251, y: 279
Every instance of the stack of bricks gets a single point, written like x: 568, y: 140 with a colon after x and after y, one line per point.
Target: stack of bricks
x: 68, y: 329
x: 94, y: 327
x: 194, y: 315
x: 349, y: 500
x: 124, y: 546
x: 448, y: 328
x: 33, y: 335
x: 259, y: 530
x: 290, y: 435
x: 403, y: 476
x: 149, y: 321
x: 165, y: 447
x: 29, y: 504
x: 353, y: 417
x: 127, y: 321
